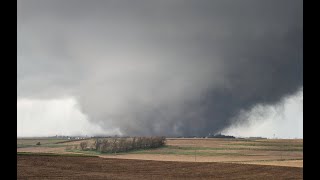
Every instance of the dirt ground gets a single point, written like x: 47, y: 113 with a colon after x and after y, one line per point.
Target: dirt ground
x: 291, y: 163
x: 43, y: 150
x: 265, y: 160
x: 62, y: 167
x: 278, y: 152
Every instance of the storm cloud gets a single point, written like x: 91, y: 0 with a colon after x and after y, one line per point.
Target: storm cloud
x: 163, y: 67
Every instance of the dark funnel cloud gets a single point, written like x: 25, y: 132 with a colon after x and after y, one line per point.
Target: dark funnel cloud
x: 160, y: 67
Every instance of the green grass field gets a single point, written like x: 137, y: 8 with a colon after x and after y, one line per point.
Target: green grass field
x: 44, y: 142
x: 53, y: 154
x: 208, y: 150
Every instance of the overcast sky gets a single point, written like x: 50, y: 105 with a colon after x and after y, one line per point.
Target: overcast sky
x: 163, y: 67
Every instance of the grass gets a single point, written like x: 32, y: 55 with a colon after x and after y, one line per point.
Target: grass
x: 108, y: 153
x: 89, y: 152
x: 269, y: 147
x: 268, y: 160
x: 168, y: 150
x: 232, y: 148
x: 42, y: 145
x: 41, y: 140
x: 23, y: 143
x: 192, y: 153
x: 186, y: 150
x: 178, y: 150
x: 53, y: 154
x: 266, y: 144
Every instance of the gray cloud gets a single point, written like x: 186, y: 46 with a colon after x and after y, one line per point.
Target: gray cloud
x: 161, y: 67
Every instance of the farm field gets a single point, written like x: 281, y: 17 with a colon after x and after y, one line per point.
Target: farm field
x: 69, y: 167
x: 31, y: 142
x: 277, y: 152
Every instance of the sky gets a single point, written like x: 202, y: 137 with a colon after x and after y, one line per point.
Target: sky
x: 172, y: 68
x: 283, y: 120
x: 63, y: 117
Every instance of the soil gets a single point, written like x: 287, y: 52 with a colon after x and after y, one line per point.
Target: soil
x: 67, y: 167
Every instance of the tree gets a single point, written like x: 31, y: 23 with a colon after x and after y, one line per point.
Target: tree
x: 83, y: 145
x: 97, y: 144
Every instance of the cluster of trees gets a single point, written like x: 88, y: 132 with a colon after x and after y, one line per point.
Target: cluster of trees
x: 114, y: 145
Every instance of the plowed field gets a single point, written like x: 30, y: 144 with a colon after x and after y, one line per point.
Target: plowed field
x: 65, y: 167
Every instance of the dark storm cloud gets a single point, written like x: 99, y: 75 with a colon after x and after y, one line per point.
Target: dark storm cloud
x: 161, y: 67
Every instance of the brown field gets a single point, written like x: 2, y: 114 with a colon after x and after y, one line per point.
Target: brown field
x: 278, y: 152
x: 181, y: 158
x: 64, y: 167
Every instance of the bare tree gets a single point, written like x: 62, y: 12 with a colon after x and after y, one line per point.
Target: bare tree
x: 97, y: 144
x: 83, y: 145
x: 114, y: 145
x: 124, y: 144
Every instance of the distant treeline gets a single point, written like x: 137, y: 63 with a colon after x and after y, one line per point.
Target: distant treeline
x: 122, y: 144
x: 221, y: 136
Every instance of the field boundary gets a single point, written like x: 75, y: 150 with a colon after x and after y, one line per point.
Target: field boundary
x: 53, y: 154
